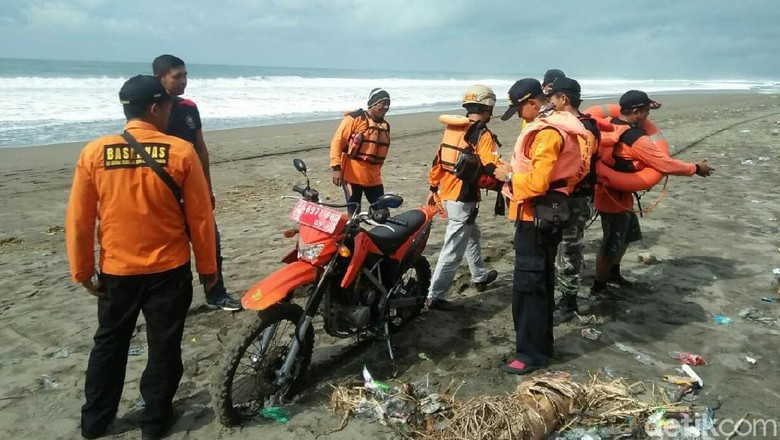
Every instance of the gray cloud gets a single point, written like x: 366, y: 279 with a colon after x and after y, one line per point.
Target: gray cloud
x: 661, y: 39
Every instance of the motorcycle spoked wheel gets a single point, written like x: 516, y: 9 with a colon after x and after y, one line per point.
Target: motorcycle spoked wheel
x: 245, y: 377
x: 416, y: 281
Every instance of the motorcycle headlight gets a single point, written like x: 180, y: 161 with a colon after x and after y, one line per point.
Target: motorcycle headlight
x: 309, y: 252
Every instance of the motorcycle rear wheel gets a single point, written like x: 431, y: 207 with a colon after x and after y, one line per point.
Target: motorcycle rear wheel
x: 245, y: 377
x: 416, y: 281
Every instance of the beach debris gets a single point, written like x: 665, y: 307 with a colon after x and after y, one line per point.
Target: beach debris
x: 277, y: 413
x: 756, y: 315
x: 590, y: 333
x: 687, y: 358
x: 725, y: 320
x: 747, y: 162
x: 423, y: 356
x: 48, y: 382
x: 769, y: 299
x: 10, y: 241
x: 679, y: 380
x: 56, y: 229
x: 432, y: 403
x: 372, y: 385
x: 750, y: 360
x: 62, y: 353
x: 140, y: 403
x: 135, y: 351
x: 692, y: 374
x: 744, y: 131
x: 647, y: 258
x: 590, y: 319
x: 763, y: 158
x: 638, y: 355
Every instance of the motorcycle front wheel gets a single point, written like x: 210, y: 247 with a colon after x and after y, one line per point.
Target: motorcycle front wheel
x: 246, y: 375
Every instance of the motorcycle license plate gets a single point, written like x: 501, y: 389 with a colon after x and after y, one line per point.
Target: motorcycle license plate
x: 317, y: 216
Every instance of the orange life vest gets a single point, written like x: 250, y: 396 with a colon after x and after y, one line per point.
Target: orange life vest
x: 617, y: 169
x: 372, y: 144
x: 569, y: 169
x: 454, y: 142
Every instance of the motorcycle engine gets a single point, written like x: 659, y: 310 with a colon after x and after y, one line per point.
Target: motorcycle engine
x: 349, y: 310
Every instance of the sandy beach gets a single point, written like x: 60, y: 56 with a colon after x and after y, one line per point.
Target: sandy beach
x: 717, y: 241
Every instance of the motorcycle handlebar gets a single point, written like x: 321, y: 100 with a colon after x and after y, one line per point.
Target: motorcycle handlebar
x: 299, y: 189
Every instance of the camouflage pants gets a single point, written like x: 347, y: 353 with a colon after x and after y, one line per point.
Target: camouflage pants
x: 569, y: 262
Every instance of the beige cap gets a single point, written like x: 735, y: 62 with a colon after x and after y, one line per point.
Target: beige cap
x: 479, y: 95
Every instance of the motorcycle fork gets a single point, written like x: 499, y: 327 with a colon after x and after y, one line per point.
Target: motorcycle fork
x: 304, y: 325
x: 377, y: 282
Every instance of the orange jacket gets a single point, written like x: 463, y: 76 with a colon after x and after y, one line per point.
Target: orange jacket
x: 550, y: 149
x: 354, y: 170
x: 443, y: 181
x: 140, y: 224
x: 643, y: 152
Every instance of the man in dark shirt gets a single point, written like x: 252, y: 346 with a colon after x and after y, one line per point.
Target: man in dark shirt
x: 184, y: 123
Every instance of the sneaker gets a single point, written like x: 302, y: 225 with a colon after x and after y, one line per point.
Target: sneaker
x: 223, y: 301
x: 482, y: 285
x: 616, y: 278
x: 518, y: 367
x: 565, y: 310
x: 441, y: 304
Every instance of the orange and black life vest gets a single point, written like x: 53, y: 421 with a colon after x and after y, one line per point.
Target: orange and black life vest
x: 457, y: 153
x: 372, y: 144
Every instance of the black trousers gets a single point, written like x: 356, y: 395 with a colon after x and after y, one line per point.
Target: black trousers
x: 164, y: 299
x: 354, y: 193
x: 533, y: 293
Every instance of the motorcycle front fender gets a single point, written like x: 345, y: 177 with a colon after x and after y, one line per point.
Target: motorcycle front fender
x: 278, y: 285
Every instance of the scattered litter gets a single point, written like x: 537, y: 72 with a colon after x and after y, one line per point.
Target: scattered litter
x: 62, y: 353
x: 591, y: 333
x: 687, y: 358
x: 725, y: 320
x: 194, y: 340
x: 750, y: 360
x: 679, y: 380
x: 756, y: 315
x: 763, y: 158
x: 135, y: 351
x: 423, y: 356
x: 744, y: 131
x: 9, y: 241
x: 755, y: 201
x: 769, y: 299
x: 647, y: 258
x: 276, y: 413
x: 431, y: 404
x: 56, y: 229
x: 372, y: 385
x: 776, y: 271
x: 590, y: 319
x: 638, y: 355
x: 692, y: 374
x: 747, y: 162
x: 48, y: 382
x: 140, y: 403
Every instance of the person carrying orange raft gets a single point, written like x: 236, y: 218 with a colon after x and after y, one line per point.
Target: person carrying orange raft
x: 359, y: 148
x: 464, y: 163
x: 633, y: 151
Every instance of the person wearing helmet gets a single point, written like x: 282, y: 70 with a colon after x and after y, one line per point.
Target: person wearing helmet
x: 464, y: 163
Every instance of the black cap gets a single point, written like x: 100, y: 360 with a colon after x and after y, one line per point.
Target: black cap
x: 637, y: 99
x: 142, y: 89
x: 567, y: 86
x: 520, y: 92
x: 551, y: 75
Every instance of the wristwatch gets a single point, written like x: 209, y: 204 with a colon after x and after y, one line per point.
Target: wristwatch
x: 508, y: 177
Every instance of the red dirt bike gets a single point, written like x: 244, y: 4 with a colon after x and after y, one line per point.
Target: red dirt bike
x: 364, y: 283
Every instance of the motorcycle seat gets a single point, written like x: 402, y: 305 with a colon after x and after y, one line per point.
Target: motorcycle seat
x: 389, y: 241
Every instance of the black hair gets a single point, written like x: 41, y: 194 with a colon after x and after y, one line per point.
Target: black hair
x: 626, y: 111
x: 540, y: 97
x: 473, y: 108
x: 164, y: 63
x: 136, y: 111
x: 574, y: 101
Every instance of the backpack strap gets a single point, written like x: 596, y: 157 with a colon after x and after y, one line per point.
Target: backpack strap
x: 157, y: 168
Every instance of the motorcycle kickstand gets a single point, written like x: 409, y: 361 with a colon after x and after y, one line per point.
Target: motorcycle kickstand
x: 389, y: 342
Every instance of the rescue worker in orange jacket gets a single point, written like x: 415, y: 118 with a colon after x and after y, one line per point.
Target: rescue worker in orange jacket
x: 359, y: 148
x: 546, y: 163
x: 619, y: 223
x: 464, y: 163
x: 564, y: 95
x: 144, y: 254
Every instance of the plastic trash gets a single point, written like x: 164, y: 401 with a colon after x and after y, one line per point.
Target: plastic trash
x: 647, y: 258
x: 687, y: 358
x: 372, y: 385
x: 62, y: 353
x: 276, y: 413
x: 48, y: 382
x: 140, y: 403
x: 638, y: 355
x: 591, y: 333
x: 692, y: 374
x: 423, y: 356
x: 769, y: 299
x: 725, y: 320
x: 136, y: 351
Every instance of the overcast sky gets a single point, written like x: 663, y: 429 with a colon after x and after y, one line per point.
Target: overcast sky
x: 648, y: 39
